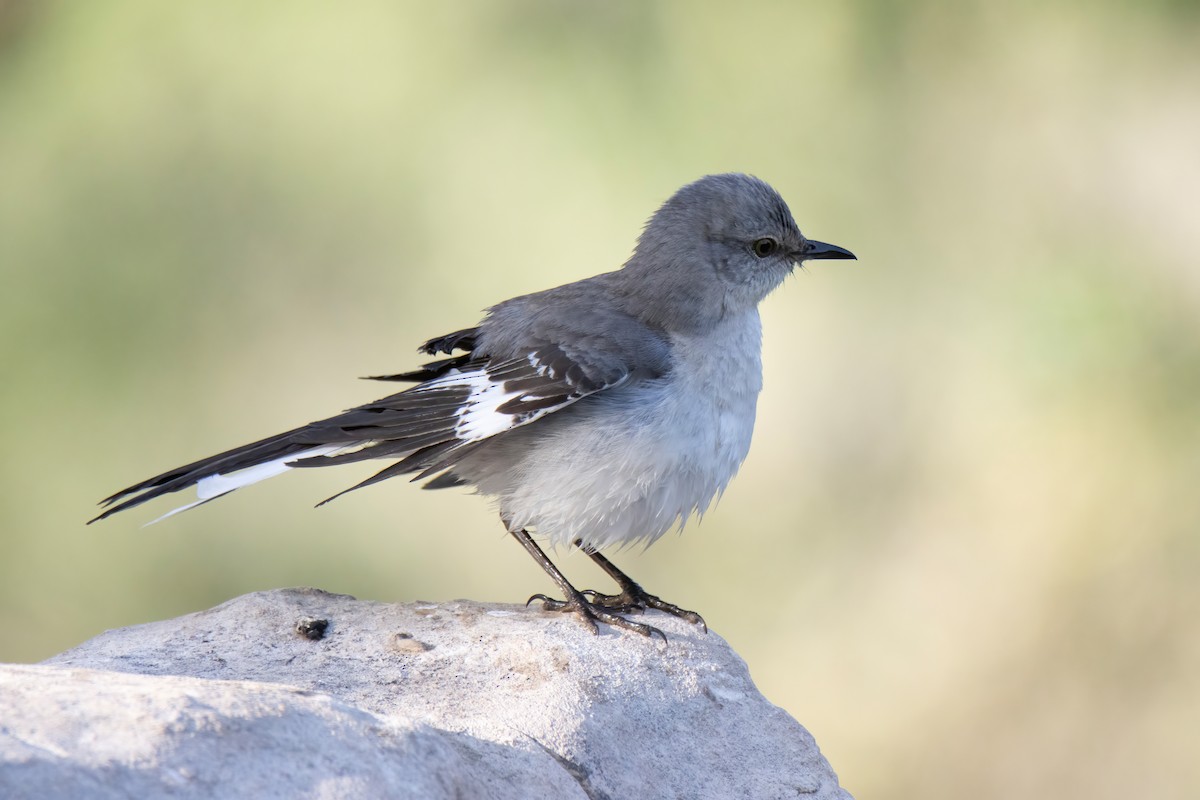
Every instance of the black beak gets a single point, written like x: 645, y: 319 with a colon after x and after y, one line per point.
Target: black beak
x: 814, y: 250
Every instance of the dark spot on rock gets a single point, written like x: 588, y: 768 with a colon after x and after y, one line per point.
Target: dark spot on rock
x: 312, y: 628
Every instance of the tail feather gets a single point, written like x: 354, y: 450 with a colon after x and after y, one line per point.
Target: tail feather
x: 422, y: 420
x: 180, y: 509
x: 220, y: 474
x: 393, y: 427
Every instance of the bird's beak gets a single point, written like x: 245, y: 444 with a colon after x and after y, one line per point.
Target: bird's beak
x: 814, y: 250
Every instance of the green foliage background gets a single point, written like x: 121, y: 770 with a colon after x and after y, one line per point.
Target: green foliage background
x: 964, y: 549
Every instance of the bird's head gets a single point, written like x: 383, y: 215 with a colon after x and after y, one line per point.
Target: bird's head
x: 722, y: 244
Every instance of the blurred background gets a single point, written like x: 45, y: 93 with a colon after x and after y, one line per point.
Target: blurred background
x: 964, y: 549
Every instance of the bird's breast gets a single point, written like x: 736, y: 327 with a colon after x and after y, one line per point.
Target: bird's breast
x: 637, y: 461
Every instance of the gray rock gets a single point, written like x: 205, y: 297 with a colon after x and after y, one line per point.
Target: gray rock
x: 303, y: 694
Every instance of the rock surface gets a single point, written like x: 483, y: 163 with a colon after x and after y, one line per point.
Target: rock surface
x: 303, y: 694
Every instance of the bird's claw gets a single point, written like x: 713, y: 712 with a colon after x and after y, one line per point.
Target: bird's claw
x: 592, y: 613
x: 636, y: 600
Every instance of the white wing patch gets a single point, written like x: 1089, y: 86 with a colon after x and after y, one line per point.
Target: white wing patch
x: 480, y: 417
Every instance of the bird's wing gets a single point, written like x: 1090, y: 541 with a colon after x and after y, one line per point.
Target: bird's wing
x: 460, y: 402
x: 432, y: 424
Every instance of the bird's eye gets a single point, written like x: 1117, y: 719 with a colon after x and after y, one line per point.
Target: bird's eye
x: 764, y: 247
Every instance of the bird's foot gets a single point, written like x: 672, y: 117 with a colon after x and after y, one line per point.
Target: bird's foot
x: 634, y: 599
x: 592, y: 613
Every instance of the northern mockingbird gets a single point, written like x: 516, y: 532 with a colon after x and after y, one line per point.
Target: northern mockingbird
x: 599, y: 413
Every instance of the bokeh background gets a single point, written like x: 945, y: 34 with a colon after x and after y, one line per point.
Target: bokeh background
x: 964, y: 549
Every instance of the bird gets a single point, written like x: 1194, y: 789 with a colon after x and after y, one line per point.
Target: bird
x: 597, y: 414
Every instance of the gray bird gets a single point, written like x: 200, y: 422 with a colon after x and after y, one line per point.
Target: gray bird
x: 599, y: 413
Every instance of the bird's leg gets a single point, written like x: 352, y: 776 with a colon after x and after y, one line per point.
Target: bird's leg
x: 590, y: 613
x: 633, y: 597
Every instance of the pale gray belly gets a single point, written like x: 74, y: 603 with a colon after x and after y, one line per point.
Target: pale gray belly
x: 614, y: 471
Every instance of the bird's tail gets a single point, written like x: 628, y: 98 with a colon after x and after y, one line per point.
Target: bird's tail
x: 416, y: 427
x: 223, y: 473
